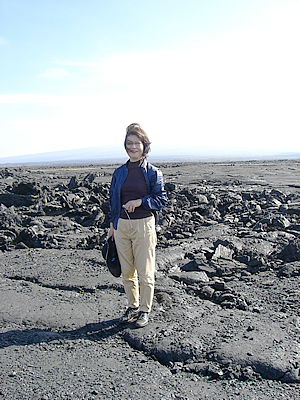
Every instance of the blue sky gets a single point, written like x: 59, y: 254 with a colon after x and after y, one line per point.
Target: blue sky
x: 218, y: 75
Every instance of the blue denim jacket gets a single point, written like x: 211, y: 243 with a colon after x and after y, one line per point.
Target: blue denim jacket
x: 154, y: 200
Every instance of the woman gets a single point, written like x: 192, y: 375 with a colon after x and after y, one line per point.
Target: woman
x: 136, y: 194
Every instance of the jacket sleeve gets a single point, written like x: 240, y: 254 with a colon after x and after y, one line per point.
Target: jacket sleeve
x: 157, y: 197
x: 111, y: 193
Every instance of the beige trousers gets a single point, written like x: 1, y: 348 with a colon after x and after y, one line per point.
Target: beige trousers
x: 136, y: 241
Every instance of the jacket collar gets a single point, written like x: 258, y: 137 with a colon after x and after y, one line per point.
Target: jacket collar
x: 143, y: 164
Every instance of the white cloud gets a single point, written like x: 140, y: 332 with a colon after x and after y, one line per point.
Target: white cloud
x: 28, y: 98
x: 55, y: 73
x: 81, y: 121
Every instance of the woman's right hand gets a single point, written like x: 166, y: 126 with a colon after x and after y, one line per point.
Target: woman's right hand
x: 111, y: 231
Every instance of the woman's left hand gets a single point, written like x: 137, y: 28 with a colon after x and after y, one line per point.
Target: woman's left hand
x: 111, y: 232
x: 131, y: 205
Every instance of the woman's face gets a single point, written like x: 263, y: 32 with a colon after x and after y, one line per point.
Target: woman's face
x: 134, y: 148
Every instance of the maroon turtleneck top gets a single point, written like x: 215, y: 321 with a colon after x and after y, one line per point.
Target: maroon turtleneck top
x: 134, y: 187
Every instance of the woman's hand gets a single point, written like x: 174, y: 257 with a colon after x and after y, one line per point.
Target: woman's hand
x: 131, y: 205
x: 111, y: 231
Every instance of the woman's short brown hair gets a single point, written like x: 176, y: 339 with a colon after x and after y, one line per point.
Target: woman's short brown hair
x: 136, y: 129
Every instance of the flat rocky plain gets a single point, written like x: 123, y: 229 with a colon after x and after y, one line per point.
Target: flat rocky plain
x: 225, y: 322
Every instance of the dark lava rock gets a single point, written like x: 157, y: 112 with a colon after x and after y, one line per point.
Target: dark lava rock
x: 226, y: 302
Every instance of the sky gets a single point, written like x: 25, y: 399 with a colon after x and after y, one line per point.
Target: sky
x: 221, y: 76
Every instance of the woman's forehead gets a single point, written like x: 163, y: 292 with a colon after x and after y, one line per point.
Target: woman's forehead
x: 132, y: 136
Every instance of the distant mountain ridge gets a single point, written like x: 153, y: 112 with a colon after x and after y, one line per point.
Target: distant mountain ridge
x: 116, y: 153
x: 98, y: 153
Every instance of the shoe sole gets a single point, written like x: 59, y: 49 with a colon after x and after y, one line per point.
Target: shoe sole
x: 141, y: 325
x: 129, y: 320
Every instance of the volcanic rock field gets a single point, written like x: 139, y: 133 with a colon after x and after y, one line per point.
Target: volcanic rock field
x: 225, y: 322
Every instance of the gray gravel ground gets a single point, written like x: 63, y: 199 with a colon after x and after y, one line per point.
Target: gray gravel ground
x: 59, y: 309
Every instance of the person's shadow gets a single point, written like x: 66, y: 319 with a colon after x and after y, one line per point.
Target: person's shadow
x: 92, y: 331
